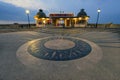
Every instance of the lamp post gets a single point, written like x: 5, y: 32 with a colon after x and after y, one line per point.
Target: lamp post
x: 28, y: 12
x: 98, y: 16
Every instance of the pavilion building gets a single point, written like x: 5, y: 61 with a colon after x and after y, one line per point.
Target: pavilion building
x: 61, y: 19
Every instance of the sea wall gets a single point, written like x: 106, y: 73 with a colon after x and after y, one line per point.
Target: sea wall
x: 15, y: 25
x: 109, y: 25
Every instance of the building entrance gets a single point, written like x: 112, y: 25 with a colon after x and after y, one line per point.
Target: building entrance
x: 68, y: 23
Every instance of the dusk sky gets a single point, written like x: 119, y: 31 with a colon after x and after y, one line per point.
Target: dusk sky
x: 14, y: 10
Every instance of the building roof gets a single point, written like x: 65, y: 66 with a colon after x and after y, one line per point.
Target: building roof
x: 82, y: 13
x: 41, y: 14
x: 57, y: 15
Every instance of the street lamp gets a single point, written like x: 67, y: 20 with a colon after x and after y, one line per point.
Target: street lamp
x: 98, y: 16
x: 28, y: 12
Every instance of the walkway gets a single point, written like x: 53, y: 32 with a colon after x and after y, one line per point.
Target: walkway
x: 18, y: 63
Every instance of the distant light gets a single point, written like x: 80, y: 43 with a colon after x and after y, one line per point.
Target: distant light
x: 98, y: 10
x: 80, y: 18
x: 36, y: 18
x: 27, y: 11
x: 86, y: 18
x: 67, y: 18
x: 61, y: 18
x: 43, y: 18
x: 44, y: 21
x: 75, y: 18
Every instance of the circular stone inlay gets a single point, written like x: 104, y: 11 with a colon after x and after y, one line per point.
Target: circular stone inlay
x: 59, y: 44
x: 59, y: 48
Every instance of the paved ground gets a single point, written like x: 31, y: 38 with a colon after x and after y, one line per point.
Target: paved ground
x: 103, y: 65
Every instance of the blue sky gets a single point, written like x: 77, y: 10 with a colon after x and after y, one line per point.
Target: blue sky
x: 14, y: 10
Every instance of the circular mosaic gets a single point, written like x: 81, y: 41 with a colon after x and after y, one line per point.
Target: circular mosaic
x: 59, y: 48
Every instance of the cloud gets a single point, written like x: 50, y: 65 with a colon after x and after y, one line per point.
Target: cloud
x: 32, y: 4
x: 109, y: 9
x: 51, y: 5
x: 47, y: 4
x: 12, y: 13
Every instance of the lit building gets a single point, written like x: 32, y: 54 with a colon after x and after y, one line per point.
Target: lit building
x: 61, y: 19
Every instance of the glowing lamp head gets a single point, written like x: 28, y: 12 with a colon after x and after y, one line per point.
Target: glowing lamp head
x: 98, y: 10
x: 27, y: 11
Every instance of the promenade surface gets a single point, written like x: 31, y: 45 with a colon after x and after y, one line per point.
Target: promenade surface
x: 103, y: 63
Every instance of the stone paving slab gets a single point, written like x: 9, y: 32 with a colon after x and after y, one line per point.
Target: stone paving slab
x: 106, y: 68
